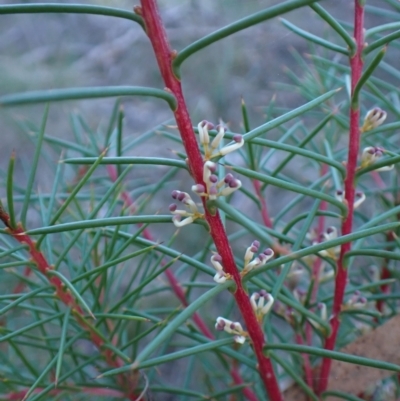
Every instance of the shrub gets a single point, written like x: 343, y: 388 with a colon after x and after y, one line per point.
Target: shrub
x: 88, y: 304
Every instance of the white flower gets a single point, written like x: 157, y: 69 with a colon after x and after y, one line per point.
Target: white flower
x: 231, y: 328
x: 260, y: 260
x: 191, y: 215
x: 261, y: 303
x: 373, y: 119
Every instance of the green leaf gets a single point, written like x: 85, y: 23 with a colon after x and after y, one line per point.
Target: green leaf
x: 119, y: 136
x: 262, y: 129
x: 90, y: 224
x: 340, y: 394
x: 237, y: 26
x: 158, y: 161
x: 62, y: 344
x: 365, y: 76
x: 10, y: 189
x: 215, y: 344
x: 374, y: 252
x: 297, y: 150
x: 339, y: 356
x: 291, y: 187
x: 170, y: 328
x: 302, y: 143
x: 94, y: 92
x: 382, y: 163
x: 33, y: 168
x: 335, y: 25
x: 314, y: 249
x: 382, y: 42
x: 73, y: 290
x: 294, y: 375
x: 70, y: 8
x: 299, y: 240
x: 315, y: 39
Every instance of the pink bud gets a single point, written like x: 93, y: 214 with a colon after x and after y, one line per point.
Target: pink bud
x: 268, y: 252
x: 213, y: 178
x: 173, y: 207
x: 218, y: 257
x: 228, y: 178
x: 237, y: 138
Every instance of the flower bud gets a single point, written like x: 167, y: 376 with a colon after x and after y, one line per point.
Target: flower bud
x: 373, y: 119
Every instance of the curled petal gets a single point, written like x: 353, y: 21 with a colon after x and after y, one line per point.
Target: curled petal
x: 239, y: 339
x: 216, y: 141
x: 180, y: 223
x: 233, y: 186
x: 220, y: 277
x: 253, y: 300
x: 216, y: 262
x: 359, y: 198
x: 386, y: 168
x: 231, y: 148
x: 266, y: 308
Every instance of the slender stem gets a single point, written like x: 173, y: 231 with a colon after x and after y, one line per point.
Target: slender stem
x: 315, y: 274
x: 356, y: 65
x: 157, y: 35
x: 308, y: 374
x: 178, y: 290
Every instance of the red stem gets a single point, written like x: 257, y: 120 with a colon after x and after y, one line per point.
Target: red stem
x: 157, y: 35
x: 356, y: 64
x: 308, y: 373
x: 264, y: 210
x: 178, y: 290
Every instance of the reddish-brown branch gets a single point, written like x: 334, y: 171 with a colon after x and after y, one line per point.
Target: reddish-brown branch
x: 308, y: 373
x: 315, y: 274
x: 177, y: 288
x: 264, y: 209
x: 157, y: 35
x: 356, y: 64
x: 66, y: 297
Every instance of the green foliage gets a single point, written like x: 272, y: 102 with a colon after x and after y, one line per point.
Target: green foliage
x: 125, y: 298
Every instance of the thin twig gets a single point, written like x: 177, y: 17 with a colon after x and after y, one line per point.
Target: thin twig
x: 356, y: 65
x: 157, y: 35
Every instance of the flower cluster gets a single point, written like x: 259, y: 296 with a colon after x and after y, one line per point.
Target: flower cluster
x: 359, y: 197
x: 191, y: 214
x: 220, y: 277
x: 370, y: 155
x: 356, y: 301
x: 211, y: 150
x: 329, y: 234
x: 260, y: 260
x: 373, y: 119
x: 215, y: 187
x: 230, y: 327
x: 261, y: 302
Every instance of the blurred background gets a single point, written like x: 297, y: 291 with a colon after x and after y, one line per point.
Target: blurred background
x: 48, y: 51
